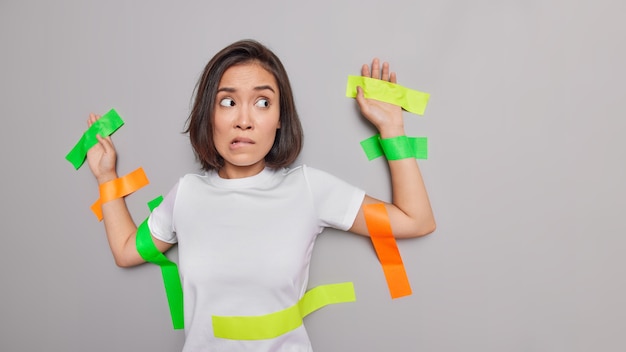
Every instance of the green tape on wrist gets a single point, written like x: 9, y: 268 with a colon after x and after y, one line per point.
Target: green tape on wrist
x: 401, y: 147
x: 372, y: 147
x: 104, y: 126
x: 169, y: 270
x: 268, y: 326
x: 420, y: 147
x: 396, y: 148
x: 409, y: 99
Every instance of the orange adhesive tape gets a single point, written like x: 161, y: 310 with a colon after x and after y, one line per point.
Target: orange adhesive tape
x: 379, y: 227
x: 118, y: 188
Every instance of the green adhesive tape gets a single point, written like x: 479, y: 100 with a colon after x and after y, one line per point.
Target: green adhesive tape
x: 169, y: 270
x: 275, y: 324
x: 395, y: 148
x: 410, y: 100
x: 104, y: 126
x: 372, y: 147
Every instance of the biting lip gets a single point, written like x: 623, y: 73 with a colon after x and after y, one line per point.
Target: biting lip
x: 241, y: 141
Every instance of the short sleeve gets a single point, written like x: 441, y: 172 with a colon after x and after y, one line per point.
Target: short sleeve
x: 161, y: 220
x: 336, y: 201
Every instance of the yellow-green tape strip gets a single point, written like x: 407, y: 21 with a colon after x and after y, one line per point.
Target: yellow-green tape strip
x: 169, y: 270
x: 373, y: 148
x: 272, y: 325
x: 410, y: 100
x: 104, y: 126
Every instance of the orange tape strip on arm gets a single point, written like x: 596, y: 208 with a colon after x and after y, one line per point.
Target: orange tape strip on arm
x: 118, y: 188
x: 379, y: 227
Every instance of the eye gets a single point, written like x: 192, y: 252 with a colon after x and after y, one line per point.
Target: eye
x: 227, y: 102
x: 262, y: 103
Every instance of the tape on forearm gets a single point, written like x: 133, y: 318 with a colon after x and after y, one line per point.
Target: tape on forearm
x: 414, y: 147
x: 118, y: 188
x: 169, y: 270
x: 271, y: 325
x: 379, y: 227
x: 410, y: 100
x: 104, y: 126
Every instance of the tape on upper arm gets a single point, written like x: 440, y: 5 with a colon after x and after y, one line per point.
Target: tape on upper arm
x: 169, y: 270
x: 379, y: 228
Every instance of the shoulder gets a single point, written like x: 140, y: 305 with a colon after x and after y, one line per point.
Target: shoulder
x: 316, y: 179
x: 305, y: 173
x: 303, y: 170
x: 203, y: 177
x: 316, y: 175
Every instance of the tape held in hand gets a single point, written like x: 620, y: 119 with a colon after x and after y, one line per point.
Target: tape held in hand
x: 409, y: 99
x: 104, y: 126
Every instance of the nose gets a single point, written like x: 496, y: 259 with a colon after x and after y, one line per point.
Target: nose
x: 244, y: 120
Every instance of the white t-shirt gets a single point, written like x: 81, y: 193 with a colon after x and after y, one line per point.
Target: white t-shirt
x: 245, y: 246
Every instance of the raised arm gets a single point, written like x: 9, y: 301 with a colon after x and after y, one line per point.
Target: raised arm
x: 409, y: 212
x: 118, y: 224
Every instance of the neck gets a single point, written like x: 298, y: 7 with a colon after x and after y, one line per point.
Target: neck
x: 232, y: 171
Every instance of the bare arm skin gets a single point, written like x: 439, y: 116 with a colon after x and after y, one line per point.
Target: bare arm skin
x: 410, y: 212
x: 118, y: 224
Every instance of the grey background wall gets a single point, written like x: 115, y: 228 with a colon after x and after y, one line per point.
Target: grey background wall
x: 526, y: 169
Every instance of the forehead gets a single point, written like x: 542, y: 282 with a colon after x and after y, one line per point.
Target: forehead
x: 247, y: 75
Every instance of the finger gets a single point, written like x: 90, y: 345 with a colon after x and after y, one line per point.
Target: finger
x: 365, y: 70
x: 106, y: 143
x: 376, y: 68
x: 92, y: 118
x: 393, y: 78
x: 360, y: 97
x: 101, y: 141
x: 385, y: 75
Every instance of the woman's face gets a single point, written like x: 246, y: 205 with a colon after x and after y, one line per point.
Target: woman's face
x: 246, y: 117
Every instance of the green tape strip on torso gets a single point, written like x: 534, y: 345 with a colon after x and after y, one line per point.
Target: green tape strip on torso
x: 373, y: 148
x: 169, y: 270
x: 410, y: 100
x: 104, y: 126
x: 275, y: 324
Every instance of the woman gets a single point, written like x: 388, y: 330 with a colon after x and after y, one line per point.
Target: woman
x: 246, y: 226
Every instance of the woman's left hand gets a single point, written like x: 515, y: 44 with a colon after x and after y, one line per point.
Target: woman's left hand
x: 386, y: 117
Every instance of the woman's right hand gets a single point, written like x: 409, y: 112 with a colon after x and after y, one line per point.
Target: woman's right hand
x: 102, y: 157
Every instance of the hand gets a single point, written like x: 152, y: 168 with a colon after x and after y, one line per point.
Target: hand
x: 387, y: 118
x: 102, y: 157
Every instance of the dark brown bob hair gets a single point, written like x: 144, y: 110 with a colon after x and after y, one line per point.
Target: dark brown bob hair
x: 288, y: 142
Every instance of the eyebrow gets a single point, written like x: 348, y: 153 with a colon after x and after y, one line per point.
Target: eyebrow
x: 258, y: 88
